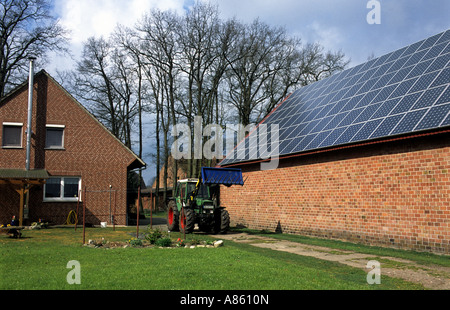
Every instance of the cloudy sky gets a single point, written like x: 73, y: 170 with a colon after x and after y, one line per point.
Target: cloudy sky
x: 336, y: 24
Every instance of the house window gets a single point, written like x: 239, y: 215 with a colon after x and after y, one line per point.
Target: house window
x: 54, y: 138
x: 12, y: 135
x: 62, y: 189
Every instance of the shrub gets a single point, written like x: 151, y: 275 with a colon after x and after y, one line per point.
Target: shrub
x: 164, y: 242
x: 153, y: 235
x: 195, y: 241
x: 135, y: 242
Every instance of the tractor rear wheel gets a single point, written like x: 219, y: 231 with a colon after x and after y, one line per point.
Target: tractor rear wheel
x: 222, y: 222
x: 187, y: 220
x: 172, y: 216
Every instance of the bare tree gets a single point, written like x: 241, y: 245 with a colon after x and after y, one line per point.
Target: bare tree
x: 94, y: 85
x: 124, y: 83
x: 106, y: 81
x: 267, y: 64
x: 127, y: 40
x: 317, y: 64
x: 26, y: 29
x: 204, y: 42
x: 159, y: 48
x: 253, y: 65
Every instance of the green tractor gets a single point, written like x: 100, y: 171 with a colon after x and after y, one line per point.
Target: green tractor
x: 196, y: 201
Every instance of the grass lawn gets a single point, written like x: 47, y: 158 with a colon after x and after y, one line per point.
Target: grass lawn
x: 39, y: 260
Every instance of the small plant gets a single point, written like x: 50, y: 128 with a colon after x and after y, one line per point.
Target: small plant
x: 135, y: 242
x: 164, y: 242
x: 153, y: 235
x: 195, y: 241
x: 180, y: 243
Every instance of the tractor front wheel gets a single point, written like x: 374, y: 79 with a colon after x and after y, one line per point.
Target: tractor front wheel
x: 187, y: 220
x: 172, y: 216
x: 222, y: 222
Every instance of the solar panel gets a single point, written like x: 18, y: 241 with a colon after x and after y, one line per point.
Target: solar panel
x: 402, y: 92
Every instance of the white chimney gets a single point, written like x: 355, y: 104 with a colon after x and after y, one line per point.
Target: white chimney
x: 30, y: 110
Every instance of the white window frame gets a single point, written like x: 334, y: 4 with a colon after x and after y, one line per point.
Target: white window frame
x: 61, y: 127
x: 61, y: 198
x: 11, y: 124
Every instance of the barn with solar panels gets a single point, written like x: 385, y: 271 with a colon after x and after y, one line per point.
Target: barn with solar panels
x: 362, y: 156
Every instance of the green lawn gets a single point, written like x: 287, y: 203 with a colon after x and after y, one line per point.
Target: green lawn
x: 38, y: 261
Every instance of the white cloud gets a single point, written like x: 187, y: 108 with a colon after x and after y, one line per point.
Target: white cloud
x: 87, y: 18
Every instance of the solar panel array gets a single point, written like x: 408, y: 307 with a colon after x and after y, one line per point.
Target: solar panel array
x: 402, y: 92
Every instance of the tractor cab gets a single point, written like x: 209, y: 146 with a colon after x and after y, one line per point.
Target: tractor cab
x: 189, y: 194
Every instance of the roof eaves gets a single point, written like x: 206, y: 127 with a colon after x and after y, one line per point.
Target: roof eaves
x: 343, y: 147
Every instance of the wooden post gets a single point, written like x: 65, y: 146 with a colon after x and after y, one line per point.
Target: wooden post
x: 78, y: 204
x: 151, y: 207
x: 151, y: 198
x: 151, y: 211
x: 114, y: 212
x: 21, y: 192
x: 138, y: 207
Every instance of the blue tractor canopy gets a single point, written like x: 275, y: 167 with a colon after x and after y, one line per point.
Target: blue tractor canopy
x: 224, y: 176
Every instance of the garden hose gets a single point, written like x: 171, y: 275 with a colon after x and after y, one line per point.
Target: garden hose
x: 72, y: 218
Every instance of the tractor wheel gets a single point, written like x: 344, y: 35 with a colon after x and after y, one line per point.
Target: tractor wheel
x: 172, y: 216
x: 222, y: 223
x: 187, y: 220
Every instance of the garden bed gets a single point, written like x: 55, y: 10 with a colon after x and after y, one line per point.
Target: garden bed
x: 154, y: 239
x: 145, y: 244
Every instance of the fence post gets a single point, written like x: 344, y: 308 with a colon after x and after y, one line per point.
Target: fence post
x: 84, y: 216
x: 114, y: 212
x: 138, y: 207
x: 151, y: 210
x: 110, y: 213
x: 78, y: 204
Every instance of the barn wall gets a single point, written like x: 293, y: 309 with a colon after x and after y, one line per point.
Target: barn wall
x: 392, y: 194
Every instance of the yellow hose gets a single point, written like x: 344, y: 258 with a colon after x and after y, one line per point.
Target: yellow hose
x: 72, y: 218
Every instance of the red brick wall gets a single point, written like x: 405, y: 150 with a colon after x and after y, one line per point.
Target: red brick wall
x: 392, y: 194
x: 90, y: 152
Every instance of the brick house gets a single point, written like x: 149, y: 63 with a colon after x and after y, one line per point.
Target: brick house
x: 71, y: 151
x: 380, y: 178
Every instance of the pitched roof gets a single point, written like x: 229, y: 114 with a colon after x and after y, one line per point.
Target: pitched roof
x: 137, y: 163
x: 403, y: 92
